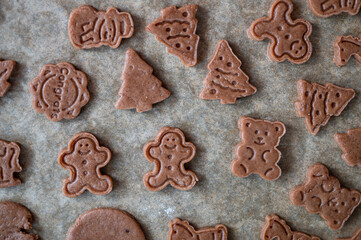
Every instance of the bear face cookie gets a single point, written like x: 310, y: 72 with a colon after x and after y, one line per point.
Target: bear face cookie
x: 258, y: 153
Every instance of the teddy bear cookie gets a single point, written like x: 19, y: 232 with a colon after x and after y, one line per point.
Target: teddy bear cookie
x: 169, y: 152
x: 15, y: 219
x: 59, y: 91
x: 225, y: 80
x: 327, y: 8
x: 179, y: 230
x: 6, y: 68
x: 257, y: 152
x: 9, y: 163
x: 345, y: 47
x: 140, y: 88
x: 355, y: 236
x: 289, y: 39
x: 105, y: 223
x: 277, y: 228
x: 316, y: 103
x: 350, y: 144
x: 323, y: 194
x: 84, y: 158
x: 176, y: 29
x: 89, y: 28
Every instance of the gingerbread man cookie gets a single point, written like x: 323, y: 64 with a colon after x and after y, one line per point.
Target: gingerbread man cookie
x: 90, y: 28
x: 169, y: 152
x: 59, y: 91
x: 258, y: 153
x: 6, y: 68
x: 323, y: 194
x: 289, y: 38
x: 9, y: 163
x: 327, y: 8
x: 277, y: 228
x: 180, y: 230
x: 105, y: 224
x: 345, y: 47
x: 14, y: 220
x: 316, y: 103
x: 176, y: 29
x: 350, y: 144
x: 84, y: 158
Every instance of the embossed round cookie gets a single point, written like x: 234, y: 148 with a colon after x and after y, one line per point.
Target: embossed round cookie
x: 14, y: 220
x: 59, y: 91
x: 105, y: 224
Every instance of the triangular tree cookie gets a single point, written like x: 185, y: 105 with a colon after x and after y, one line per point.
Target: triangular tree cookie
x: 317, y: 103
x: 140, y: 89
x: 6, y: 68
x: 176, y: 28
x: 225, y: 80
x: 350, y: 144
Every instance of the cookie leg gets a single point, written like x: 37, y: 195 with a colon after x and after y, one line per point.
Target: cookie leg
x: 100, y: 185
x: 239, y: 169
x: 156, y: 180
x: 184, y: 179
x: 73, y: 189
x: 271, y: 173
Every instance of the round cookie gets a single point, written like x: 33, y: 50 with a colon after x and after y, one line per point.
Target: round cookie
x: 105, y: 224
x: 14, y: 219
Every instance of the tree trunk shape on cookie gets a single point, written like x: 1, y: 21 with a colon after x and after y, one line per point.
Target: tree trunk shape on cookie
x: 6, y: 68
x: 181, y: 229
x: 140, y: 89
x: 327, y: 8
x: 317, y: 103
x: 345, y: 47
x: 225, y: 80
x: 350, y: 144
x: 176, y: 28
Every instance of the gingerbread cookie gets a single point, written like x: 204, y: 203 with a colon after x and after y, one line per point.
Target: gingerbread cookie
x: 14, y: 220
x: 176, y: 29
x: 345, y: 47
x: 89, y: 28
x: 317, y: 103
x: 225, y: 80
x: 9, y: 163
x: 258, y: 153
x: 356, y: 235
x: 327, y: 8
x: 289, y: 38
x: 59, y: 91
x: 323, y: 194
x: 169, y: 152
x: 350, y: 144
x: 140, y: 88
x: 277, y: 228
x: 6, y: 68
x: 107, y: 224
x: 179, y: 230
x: 84, y: 158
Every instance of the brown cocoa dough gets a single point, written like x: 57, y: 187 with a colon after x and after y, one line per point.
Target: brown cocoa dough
x: 327, y: 8
x: 9, y: 163
x: 345, y: 47
x: 6, y: 68
x: 350, y: 144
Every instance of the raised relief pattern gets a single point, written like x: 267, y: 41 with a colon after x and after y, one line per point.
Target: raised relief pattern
x: 327, y: 8
x: 9, y: 164
x: 350, y: 144
x: 6, y: 68
x: 345, y: 47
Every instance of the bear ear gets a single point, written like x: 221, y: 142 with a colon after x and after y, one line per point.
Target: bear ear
x: 247, y: 122
x: 279, y: 128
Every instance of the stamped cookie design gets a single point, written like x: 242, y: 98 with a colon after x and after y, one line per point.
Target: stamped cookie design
x: 350, y: 144
x: 6, y: 68
x: 345, y: 47
x: 105, y: 223
x: 140, y: 88
x: 84, y: 158
x: 257, y: 152
x: 317, y: 103
x: 356, y: 235
x: 179, y: 230
x: 225, y: 80
x: 15, y: 219
x: 169, y: 152
x: 327, y: 8
x: 59, y: 91
x: 323, y: 194
x: 89, y: 28
x: 289, y: 39
x: 277, y: 228
x: 176, y: 29
x: 9, y: 163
